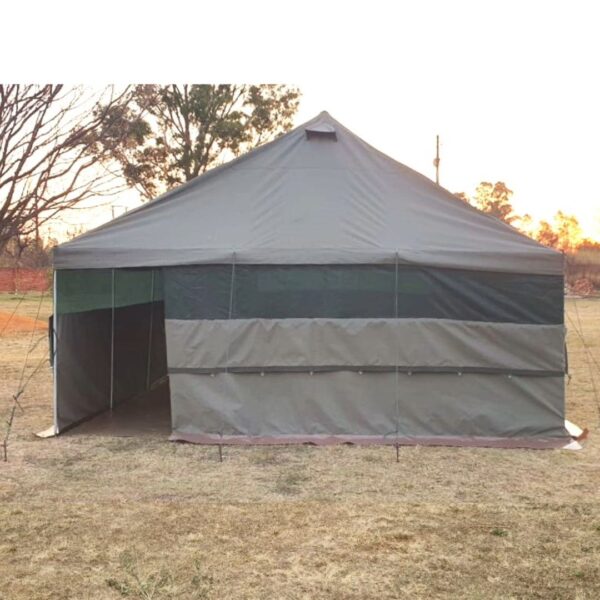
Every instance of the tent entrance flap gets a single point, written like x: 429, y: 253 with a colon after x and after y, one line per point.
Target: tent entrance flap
x: 110, y: 339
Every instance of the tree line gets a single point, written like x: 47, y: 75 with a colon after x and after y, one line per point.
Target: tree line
x: 563, y: 232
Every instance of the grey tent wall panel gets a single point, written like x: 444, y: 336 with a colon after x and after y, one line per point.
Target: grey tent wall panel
x: 346, y: 405
x: 335, y: 371
x: 529, y: 261
x: 82, y: 365
x: 341, y: 343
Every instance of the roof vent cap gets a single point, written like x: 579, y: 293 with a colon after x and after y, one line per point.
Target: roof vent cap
x: 321, y: 131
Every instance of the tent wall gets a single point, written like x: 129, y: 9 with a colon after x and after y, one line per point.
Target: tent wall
x: 83, y: 373
x: 110, y: 339
x: 369, y: 407
x: 355, y: 352
x: 243, y: 345
x: 318, y: 353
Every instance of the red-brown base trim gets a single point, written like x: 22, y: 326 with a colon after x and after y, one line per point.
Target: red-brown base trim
x: 365, y: 440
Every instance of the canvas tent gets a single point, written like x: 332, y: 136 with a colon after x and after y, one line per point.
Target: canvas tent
x: 315, y: 290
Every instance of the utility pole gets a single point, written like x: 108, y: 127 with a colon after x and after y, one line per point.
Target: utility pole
x: 436, y: 160
x: 113, y: 206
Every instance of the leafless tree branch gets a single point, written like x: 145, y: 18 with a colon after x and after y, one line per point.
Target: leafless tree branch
x: 48, y: 134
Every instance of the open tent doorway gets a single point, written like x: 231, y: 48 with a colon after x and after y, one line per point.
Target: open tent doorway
x: 148, y: 414
x: 110, y: 359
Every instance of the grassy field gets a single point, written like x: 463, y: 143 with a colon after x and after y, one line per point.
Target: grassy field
x: 108, y: 518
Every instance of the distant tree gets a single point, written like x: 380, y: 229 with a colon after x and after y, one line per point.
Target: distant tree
x: 169, y: 134
x: 495, y: 199
x: 564, y: 233
x: 569, y: 230
x: 45, y: 161
x: 588, y: 244
x: 546, y: 235
x: 26, y: 252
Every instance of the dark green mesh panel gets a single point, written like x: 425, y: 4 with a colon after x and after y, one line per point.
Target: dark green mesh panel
x: 273, y: 292
x: 80, y: 290
x: 83, y: 290
x: 360, y: 291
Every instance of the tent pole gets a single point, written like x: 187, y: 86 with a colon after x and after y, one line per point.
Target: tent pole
x: 55, y: 357
x: 112, y: 343
x: 150, y: 333
x: 397, y: 355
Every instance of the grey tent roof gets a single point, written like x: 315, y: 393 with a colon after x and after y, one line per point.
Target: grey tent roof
x: 317, y: 195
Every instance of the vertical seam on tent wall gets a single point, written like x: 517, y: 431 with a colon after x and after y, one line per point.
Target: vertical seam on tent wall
x: 230, y: 313
x: 396, y: 382
x: 55, y: 357
x: 150, y: 331
x: 112, y: 341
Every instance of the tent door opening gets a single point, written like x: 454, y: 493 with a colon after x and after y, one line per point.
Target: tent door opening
x: 111, y: 351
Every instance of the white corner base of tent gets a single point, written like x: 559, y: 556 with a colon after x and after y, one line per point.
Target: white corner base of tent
x: 366, y: 440
x: 47, y: 433
x: 577, y: 434
x: 575, y: 431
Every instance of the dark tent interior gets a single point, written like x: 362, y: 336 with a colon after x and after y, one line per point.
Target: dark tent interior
x: 111, y: 351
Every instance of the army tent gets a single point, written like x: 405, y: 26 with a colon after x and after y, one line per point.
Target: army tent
x: 315, y: 290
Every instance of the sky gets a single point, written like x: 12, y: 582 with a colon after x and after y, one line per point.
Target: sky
x: 512, y: 88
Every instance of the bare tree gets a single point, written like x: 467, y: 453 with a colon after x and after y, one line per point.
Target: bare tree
x: 46, y: 163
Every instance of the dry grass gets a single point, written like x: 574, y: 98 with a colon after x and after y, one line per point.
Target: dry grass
x: 108, y: 518
x: 584, y: 263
